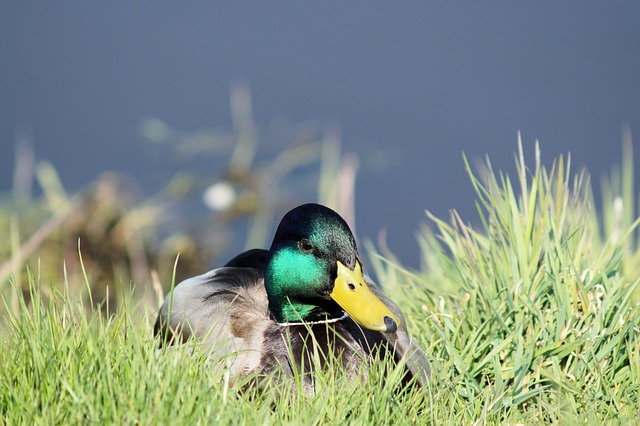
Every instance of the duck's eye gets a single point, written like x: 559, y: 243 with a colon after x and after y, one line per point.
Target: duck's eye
x: 306, y: 245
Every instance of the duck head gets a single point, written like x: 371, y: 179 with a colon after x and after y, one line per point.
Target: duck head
x: 314, y: 272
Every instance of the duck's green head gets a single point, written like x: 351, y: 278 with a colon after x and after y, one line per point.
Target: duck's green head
x: 314, y: 272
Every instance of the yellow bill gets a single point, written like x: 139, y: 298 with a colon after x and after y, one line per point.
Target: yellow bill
x: 356, y: 298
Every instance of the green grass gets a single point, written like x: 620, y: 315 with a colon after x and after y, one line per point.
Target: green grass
x: 67, y: 369
x: 533, y: 317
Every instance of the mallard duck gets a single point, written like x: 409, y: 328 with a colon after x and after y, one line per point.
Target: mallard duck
x: 264, y: 307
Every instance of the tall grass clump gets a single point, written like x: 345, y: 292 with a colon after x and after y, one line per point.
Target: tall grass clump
x: 531, y: 317
x: 62, y: 367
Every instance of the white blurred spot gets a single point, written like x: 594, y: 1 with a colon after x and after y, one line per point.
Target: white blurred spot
x: 219, y: 196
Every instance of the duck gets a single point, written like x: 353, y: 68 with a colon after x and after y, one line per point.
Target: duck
x: 278, y: 309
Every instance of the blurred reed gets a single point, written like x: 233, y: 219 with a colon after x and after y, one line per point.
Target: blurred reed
x: 106, y: 239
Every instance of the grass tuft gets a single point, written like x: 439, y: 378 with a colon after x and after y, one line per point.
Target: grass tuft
x: 533, y: 316
x: 67, y: 368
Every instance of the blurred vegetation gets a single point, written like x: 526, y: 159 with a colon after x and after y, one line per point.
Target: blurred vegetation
x: 106, y: 238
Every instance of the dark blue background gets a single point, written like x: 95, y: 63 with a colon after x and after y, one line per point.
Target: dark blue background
x: 418, y: 81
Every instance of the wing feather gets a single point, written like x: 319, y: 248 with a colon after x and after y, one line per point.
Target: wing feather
x: 227, y: 309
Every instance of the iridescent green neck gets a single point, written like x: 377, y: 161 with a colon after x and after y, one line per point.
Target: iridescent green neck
x: 293, y: 280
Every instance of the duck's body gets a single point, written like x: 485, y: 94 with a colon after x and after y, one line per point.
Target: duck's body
x: 266, y: 307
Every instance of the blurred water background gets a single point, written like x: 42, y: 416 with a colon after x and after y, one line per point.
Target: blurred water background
x: 394, y: 92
